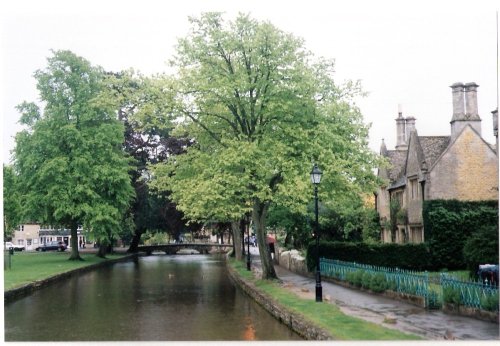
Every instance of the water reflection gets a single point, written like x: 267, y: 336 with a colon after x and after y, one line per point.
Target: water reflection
x: 155, y: 298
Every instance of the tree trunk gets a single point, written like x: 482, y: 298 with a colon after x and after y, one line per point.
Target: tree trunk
x: 134, y: 244
x: 103, y: 249
x: 259, y: 214
x: 75, y: 254
x: 242, y: 235
x: 235, y: 227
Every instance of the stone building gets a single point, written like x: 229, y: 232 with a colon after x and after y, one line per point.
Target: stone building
x: 460, y: 166
x: 33, y: 235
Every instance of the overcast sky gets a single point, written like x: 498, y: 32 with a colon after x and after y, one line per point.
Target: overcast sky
x: 403, y: 52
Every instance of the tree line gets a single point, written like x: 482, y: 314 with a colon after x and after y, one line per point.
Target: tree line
x: 228, y: 138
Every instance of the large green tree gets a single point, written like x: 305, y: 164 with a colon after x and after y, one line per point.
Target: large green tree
x: 69, y: 159
x: 143, y: 106
x: 262, y: 110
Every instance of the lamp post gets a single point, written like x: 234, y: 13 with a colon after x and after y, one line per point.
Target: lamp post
x: 315, y: 180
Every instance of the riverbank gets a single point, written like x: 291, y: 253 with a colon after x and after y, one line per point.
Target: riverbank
x: 311, y: 320
x: 31, y: 271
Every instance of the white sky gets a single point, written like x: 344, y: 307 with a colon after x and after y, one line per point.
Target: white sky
x: 406, y: 53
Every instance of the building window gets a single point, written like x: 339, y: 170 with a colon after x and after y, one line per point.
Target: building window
x: 28, y: 242
x: 59, y: 238
x: 20, y: 242
x: 414, y: 188
x: 417, y: 235
x: 21, y: 228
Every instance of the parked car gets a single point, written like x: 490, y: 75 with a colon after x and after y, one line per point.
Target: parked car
x: 9, y: 246
x: 52, y: 245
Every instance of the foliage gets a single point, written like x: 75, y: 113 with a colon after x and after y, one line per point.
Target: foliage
x: 296, y: 226
x: 71, y: 168
x: 11, y: 201
x: 481, y: 247
x: 404, y: 256
x: 378, y: 283
x: 450, y: 223
x: 490, y: 302
x: 366, y: 279
x: 154, y: 238
x: 349, y: 220
x: 451, y: 295
x: 142, y: 107
x: 261, y: 111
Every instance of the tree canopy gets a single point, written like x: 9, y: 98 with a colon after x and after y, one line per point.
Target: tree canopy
x: 260, y: 110
x: 69, y: 159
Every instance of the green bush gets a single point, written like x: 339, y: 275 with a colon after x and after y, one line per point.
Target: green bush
x: 355, y: 278
x: 449, y: 224
x: 392, y: 285
x: 404, y: 256
x: 452, y: 296
x: 349, y: 277
x: 490, y: 302
x: 378, y: 283
x: 366, y: 278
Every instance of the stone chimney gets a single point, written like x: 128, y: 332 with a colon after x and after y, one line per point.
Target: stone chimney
x: 457, y: 94
x: 400, y: 131
x: 465, y: 110
x: 471, y: 101
x: 410, y: 126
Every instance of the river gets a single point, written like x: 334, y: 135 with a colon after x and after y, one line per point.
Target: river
x: 155, y: 298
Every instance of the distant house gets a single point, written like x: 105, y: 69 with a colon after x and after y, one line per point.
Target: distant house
x: 32, y: 235
x: 460, y: 166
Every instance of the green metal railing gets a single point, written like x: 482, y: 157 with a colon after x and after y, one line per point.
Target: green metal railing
x: 450, y: 289
x: 398, y: 280
x: 469, y: 293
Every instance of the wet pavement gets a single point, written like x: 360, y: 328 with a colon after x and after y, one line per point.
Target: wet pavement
x: 430, y: 324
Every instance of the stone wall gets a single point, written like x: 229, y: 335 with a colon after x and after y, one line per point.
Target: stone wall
x: 292, y: 260
x: 293, y: 320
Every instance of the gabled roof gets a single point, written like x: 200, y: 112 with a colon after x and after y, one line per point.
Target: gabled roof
x: 397, y: 159
x: 429, y: 149
x: 433, y: 147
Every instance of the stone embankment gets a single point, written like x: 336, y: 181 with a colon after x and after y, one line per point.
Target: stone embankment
x: 27, y: 289
x: 291, y: 319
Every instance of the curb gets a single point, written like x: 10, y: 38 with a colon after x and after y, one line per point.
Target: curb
x: 23, y: 291
x: 292, y: 320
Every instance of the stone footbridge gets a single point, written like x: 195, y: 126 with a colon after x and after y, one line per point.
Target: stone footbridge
x: 172, y: 249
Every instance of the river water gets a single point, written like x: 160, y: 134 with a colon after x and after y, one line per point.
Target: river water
x: 155, y: 298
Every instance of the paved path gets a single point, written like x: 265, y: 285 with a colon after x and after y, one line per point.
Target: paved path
x: 432, y: 325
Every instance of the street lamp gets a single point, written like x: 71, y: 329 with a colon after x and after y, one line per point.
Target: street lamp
x: 315, y: 180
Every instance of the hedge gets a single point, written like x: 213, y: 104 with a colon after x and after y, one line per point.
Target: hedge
x: 404, y: 256
x: 449, y: 224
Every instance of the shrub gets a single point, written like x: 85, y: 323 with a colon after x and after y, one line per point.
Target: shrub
x: 490, y: 302
x: 392, y: 285
x: 366, y: 278
x: 452, y: 296
x: 357, y: 278
x: 350, y: 277
x: 404, y: 256
x: 378, y: 283
x: 450, y: 223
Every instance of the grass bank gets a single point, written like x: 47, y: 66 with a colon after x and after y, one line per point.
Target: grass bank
x: 324, y: 315
x: 28, y: 267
